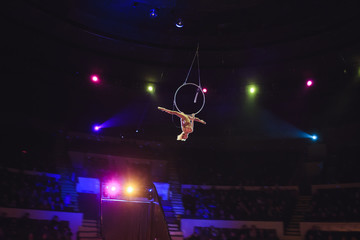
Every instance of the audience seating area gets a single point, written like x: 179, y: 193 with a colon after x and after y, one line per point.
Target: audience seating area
x: 238, y: 204
x: 20, y: 190
x: 338, y: 205
x: 30, y: 229
x: 245, y: 233
x: 316, y: 234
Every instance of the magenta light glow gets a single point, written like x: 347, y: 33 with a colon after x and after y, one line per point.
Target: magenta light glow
x: 204, y: 90
x: 112, y: 188
x: 309, y: 83
x: 95, y: 78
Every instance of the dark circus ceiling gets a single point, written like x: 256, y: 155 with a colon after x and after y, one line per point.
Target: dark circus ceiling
x: 51, y: 48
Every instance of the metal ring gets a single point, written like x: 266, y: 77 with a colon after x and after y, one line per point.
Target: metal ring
x: 195, y: 86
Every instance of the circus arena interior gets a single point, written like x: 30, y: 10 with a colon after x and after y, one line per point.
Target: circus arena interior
x: 180, y: 120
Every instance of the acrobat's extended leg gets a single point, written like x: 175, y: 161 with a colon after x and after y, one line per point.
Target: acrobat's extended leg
x: 179, y: 137
x: 182, y: 136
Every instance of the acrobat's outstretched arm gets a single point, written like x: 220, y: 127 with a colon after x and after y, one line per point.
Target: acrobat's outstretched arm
x: 199, y: 120
x: 180, y: 115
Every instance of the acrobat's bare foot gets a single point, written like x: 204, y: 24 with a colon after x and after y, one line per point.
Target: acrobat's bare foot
x: 182, y: 137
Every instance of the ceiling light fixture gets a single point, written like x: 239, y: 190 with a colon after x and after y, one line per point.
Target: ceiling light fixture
x: 153, y: 13
x: 179, y: 23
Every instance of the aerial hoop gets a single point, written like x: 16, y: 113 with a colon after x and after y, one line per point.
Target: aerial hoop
x: 187, y: 120
x: 198, y: 89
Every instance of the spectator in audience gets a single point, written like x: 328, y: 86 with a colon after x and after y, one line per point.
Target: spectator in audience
x: 67, y: 200
x: 253, y: 233
x: 54, y: 226
x: 194, y: 236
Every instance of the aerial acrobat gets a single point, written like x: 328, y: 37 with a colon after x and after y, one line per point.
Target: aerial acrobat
x: 187, y: 122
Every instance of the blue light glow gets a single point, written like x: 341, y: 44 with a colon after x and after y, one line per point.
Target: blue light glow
x: 97, y: 128
x: 179, y: 23
x: 153, y: 13
x: 314, y: 137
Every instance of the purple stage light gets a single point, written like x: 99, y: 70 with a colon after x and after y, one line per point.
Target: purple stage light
x: 95, y: 78
x: 97, y: 128
x: 309, y: 83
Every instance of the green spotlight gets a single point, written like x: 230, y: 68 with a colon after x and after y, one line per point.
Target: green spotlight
x: 150, y: 88
x: 252, y: 89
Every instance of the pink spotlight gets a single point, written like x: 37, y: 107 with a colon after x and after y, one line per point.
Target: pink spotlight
x: 204, y: 90
x: 112, y: 188
x: 309, y: 83
x: 95, y: 78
